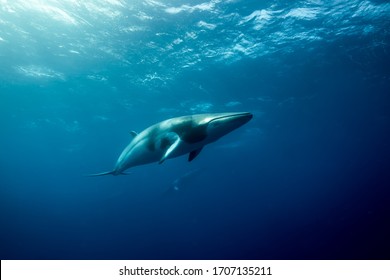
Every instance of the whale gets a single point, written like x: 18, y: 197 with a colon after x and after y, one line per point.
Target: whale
x: 176, y: 137
x: 185, y: 180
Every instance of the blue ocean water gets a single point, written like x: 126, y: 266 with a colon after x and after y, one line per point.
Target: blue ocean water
x: 307, y: 178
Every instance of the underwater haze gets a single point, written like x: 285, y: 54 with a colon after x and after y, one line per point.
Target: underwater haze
x: 307, y: 178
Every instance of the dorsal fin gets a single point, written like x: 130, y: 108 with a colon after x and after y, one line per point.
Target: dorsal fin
x: 133, y: 133
x: 194, y: 154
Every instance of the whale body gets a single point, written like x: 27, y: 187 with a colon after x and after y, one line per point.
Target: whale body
x: 176, y: 137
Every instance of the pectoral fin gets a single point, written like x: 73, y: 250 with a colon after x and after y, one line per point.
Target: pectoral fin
x: 194, y: 154
x: 175, y: 143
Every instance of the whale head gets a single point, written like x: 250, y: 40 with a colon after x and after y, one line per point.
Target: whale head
x: 218, y: 125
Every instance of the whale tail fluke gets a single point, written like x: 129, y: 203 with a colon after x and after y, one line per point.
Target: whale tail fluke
x: 101, y: 174
x: 107, y: 173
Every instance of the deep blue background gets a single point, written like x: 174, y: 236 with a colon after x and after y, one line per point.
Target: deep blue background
x: 307, y: 178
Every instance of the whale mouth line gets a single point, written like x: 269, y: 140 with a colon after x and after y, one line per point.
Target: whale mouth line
x: 234, y: 116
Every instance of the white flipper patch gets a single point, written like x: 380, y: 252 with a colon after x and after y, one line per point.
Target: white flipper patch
x: 171, y: 148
